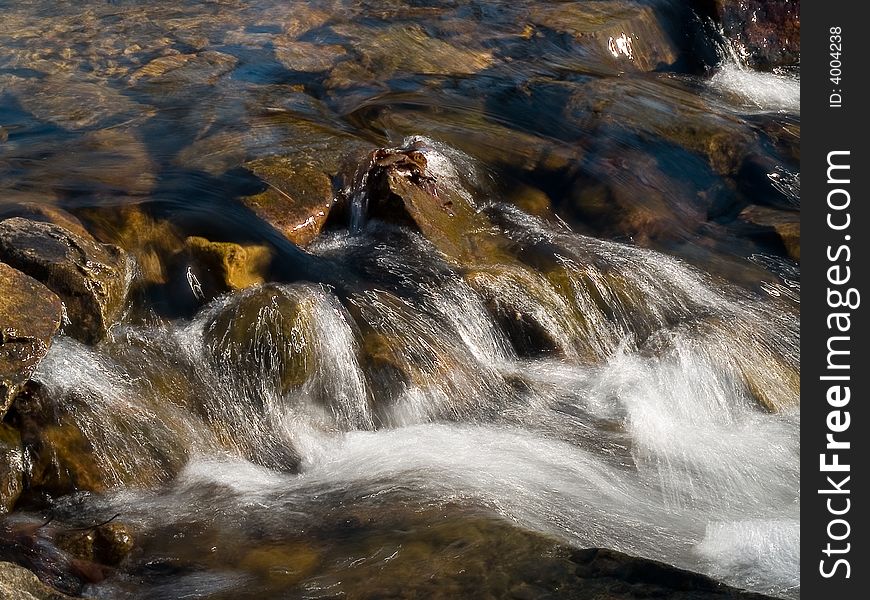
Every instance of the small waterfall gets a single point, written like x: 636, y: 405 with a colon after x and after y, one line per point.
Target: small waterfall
x: 604, y: 394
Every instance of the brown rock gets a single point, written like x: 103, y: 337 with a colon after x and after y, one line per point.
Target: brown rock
x: 91, y: 278
x: 787, y: 226
x: 298, y: 200
x: 113, y: 543
x: 409, y: 49
x: 63, y: 460
x: 17, y: 583
x: 767, y: 32
x: 73, y: 103
x: 620, y: 34
x: 107, y: 544
x: 262, y: 333
x: 11, y: 467
x: 204, y: 68
x: 30, y: 314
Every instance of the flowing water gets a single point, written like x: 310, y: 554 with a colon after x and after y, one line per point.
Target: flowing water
x: 368, y: 419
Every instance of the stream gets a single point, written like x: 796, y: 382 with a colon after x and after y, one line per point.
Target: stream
x: 599, y: 350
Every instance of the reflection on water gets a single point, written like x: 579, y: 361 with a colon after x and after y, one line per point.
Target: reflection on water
x: 617, y: 369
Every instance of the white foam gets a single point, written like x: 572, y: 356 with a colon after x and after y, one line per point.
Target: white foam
x: 764, y: 91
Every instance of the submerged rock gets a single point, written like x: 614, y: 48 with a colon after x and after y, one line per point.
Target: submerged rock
x: 177, y: 70
x: 297, y: 201
x: 153, y: 242
x: 11, y: 467
x: 106, y: 544
x: 308, y: 57
x: 406, y: 50
x: 620, y: 34
x: 76, y: 103
x: 30, y: 314
x: 91, y: 278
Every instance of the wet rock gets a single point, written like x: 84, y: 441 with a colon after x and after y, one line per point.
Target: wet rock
x: 11, y: 467
x: 107, y: 544
x: 91, y: 278
x: 106, y: 161
x: 46, y: 213
x: 153, y: 242
x: 785, y: 224
x: 297, y: 201
x: 531, y: 200
x: 644, y: 196
x: 409, y: 50
x: 637, y: 110
x: 308, y: 57
x: 73, y: 103
x: 176, y: 70
x: 284, y: 564
x: 230, y: 266
x: 30, y: 314
x: 537, y: 320
x: 301, y: 139
x: 62, y: 460
x: 17, y: 583
x: 767, y: 33
x: 616, y: 575
x: 618, y: 34
x: 261, y: 332
x: 69, y: 449
x: 491, y: 143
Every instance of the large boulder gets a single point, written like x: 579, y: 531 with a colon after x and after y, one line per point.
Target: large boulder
x: 30, y: 314
x: 91, y: 278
